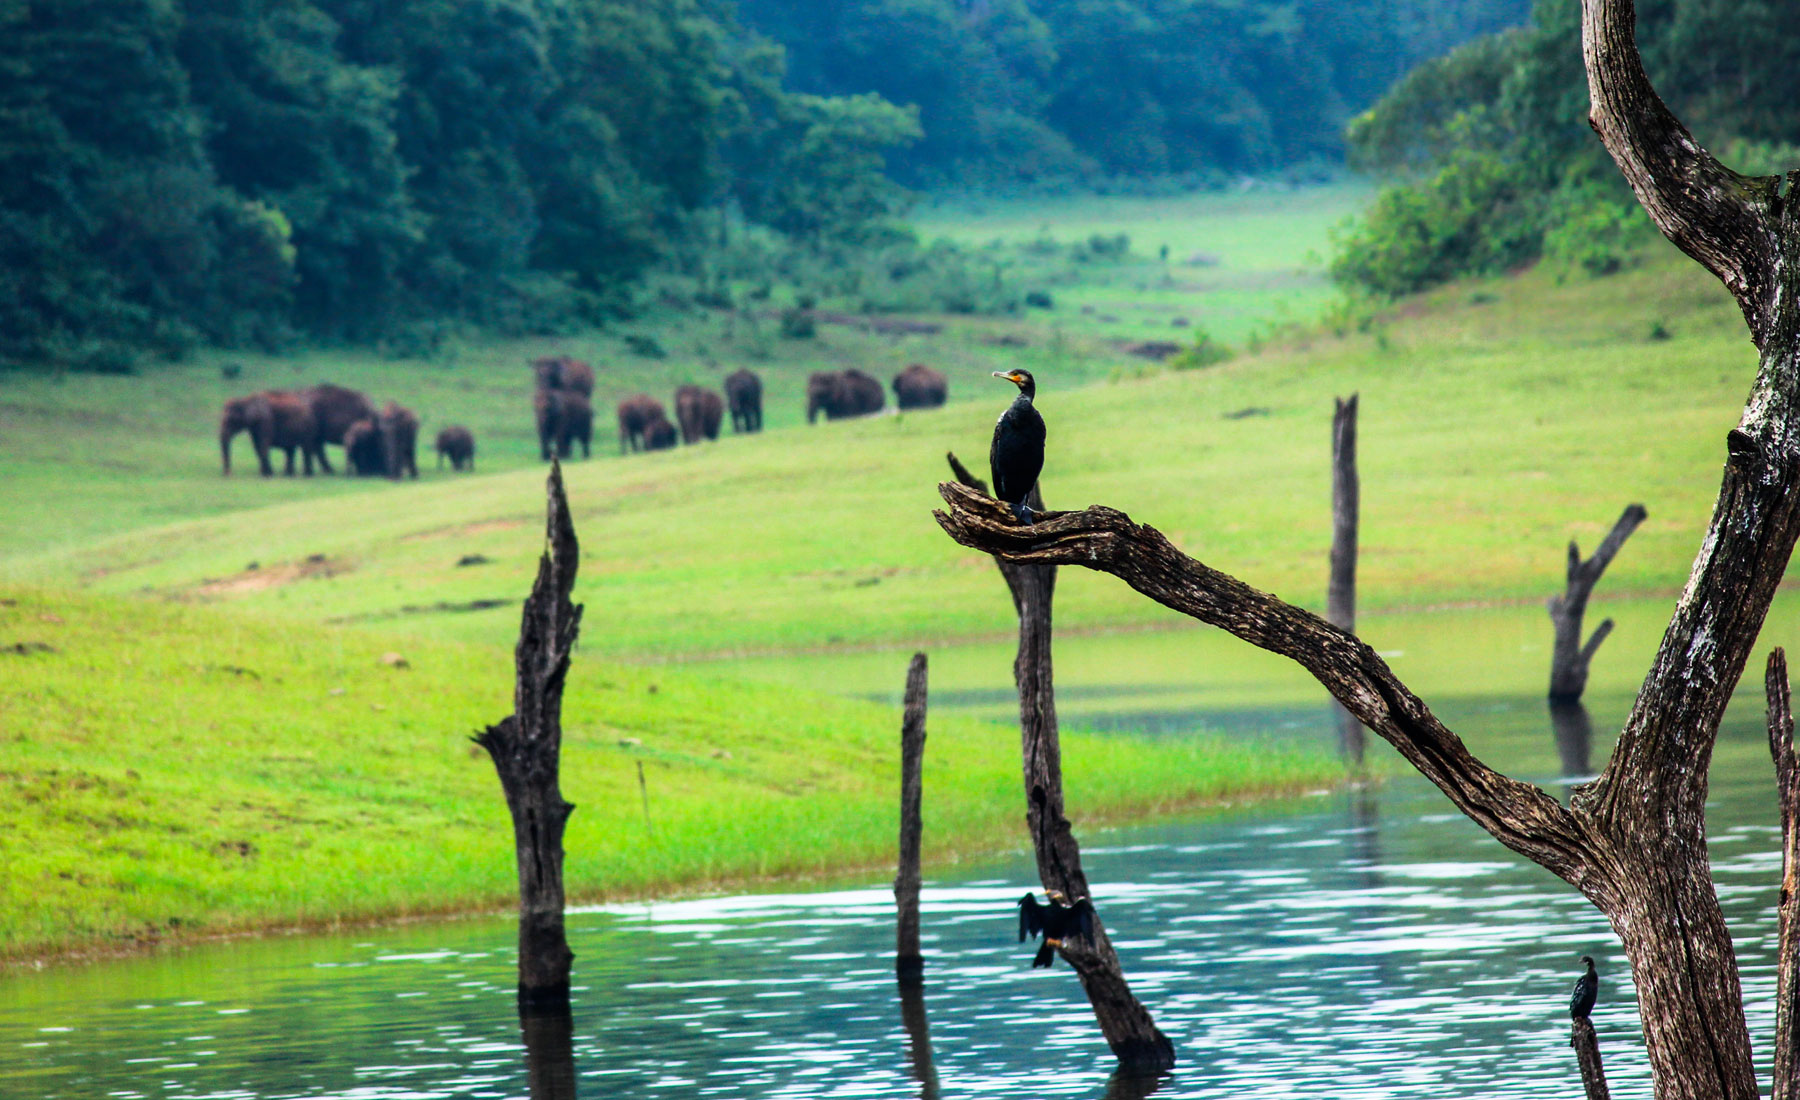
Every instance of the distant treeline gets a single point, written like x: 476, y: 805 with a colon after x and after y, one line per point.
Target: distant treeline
x: 1011, y: 90
x: 237, y: 171
x: 1493, y: 161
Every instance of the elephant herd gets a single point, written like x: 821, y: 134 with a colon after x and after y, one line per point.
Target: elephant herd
x: 699, y: 413
x: 845, y: 393
x: 376, y: 441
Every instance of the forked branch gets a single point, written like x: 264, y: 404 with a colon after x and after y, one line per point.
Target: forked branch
x: 1721, y: 219
x: 1519, y: 815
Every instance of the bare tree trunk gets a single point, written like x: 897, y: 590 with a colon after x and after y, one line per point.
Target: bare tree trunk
x: 1141, y: 1048
x: 1787, y: 788
x: 909, y: 964
x: 1569, y: 658
x: 526, y: 747
x: 1340, y: 595
x: 1587, y: 1054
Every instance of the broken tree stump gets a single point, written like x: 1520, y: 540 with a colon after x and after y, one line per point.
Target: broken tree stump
x: 1587, y: 1055
x: 1340, y: 593
x: 909, y: 964
x: 1569, y: 658
x: 1573, y: 729
x: 1142, y: 1049
x: 526, y: 747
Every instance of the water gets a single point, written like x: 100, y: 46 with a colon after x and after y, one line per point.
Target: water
x: 1366, y: 943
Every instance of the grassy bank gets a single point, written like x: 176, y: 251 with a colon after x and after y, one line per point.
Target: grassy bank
x: 179, y: 771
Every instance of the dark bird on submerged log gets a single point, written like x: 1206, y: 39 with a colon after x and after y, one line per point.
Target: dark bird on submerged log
x: 1587, y: 991
x: 1016, y: 456
x: 1056, y: 922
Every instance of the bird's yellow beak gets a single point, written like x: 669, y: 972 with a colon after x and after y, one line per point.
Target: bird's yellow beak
x: 1010, y: 376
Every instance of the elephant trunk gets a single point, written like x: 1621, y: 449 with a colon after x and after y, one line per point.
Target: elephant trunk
x: 226, y: 432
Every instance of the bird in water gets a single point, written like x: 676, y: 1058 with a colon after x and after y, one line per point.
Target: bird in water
x: 1056, y: 922
x: 1016, y: 456
x: 1587, y: 991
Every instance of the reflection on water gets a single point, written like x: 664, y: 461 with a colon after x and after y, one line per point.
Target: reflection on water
x: 1365, y: 943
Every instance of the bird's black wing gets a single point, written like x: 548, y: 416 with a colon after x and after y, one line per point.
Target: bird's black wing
x: 1082, y: 916
x: 1581, y: 1001
x: 1016, y: 455
x: 1031, y: 917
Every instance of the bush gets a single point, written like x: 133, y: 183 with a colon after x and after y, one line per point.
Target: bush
x: 798, y: 324
x: 1203, y: 352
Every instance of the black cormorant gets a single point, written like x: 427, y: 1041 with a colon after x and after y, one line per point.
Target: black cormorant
x: 1587, y: 990
x: 1055, y: 922
x: 1016, y: 456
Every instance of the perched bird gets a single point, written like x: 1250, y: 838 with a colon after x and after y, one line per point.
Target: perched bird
x: 1587, y: 990
x: 1016, y: 456
x: 1056, y: 922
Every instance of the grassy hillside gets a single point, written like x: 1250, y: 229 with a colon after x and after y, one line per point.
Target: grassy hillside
x: 1498, y: 420
x: 174, y: 771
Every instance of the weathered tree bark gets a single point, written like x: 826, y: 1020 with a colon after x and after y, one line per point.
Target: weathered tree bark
x: 1340, y: 593
x: 549, y: 1053
x: 1133, y: 1036
x: 918, y: 1040
x: 909, y: 964
x: 1587, y: 1054
x: 1787, y: 789
x: 1569, y: 658
x: 527, y: 746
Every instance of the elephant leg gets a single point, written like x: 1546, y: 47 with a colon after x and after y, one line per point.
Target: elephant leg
x: 324, y: 465
x: 288, y: 465
x: 262, y: 457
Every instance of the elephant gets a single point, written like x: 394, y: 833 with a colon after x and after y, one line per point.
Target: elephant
x: 334, y: 409
x: 840, y: 394
x: 659, y: 435
x: 399, y: 440
x: 560, y: 372
x: 920, y: 387
x: 365, y: 452
x: 743, y: 391
x: 698, y: 412
x: 576, y: 423
x: 635, y: 412
x: 275, y: 419
x: 456, y: 443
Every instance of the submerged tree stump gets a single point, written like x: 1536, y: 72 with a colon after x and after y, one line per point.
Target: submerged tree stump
x: 526, y: 747
x: 909, y: 964
x: 1787, y: 789
x: 1142, y: 1049
x: 918, y: 1040
x: 1569, y: 658
x: 1340, y: 594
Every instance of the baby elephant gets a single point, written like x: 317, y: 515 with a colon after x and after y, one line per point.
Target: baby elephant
x: 457, y: 444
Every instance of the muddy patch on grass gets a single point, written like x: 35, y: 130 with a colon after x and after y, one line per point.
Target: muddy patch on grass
x: 260, y: 578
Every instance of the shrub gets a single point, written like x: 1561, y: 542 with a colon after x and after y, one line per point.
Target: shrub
x: 798, y: 324
x: 1203, y: 352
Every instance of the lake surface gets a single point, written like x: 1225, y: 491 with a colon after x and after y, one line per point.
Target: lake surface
x: 1361, y: 943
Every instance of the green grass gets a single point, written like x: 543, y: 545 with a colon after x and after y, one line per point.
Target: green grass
x: 179, y: 771
x: 1491, y: 433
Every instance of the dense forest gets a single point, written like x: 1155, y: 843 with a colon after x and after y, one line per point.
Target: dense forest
x: 1011, y: 90
x: 175, y: 172
x: 1493, y: 164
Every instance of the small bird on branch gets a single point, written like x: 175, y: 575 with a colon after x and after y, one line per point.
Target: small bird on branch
x: 1056, y: 922
x: 1016, y: 456
x: 1587, y: 991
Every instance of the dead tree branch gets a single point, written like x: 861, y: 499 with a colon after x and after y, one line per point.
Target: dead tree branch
x: 1787, y: 789
x: 1725, y: 221
x: 526, y: 747
x: 1587, y: 1054
x: 1521, y: 816
x: 1340, y: 592
x: 1569, y: 659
